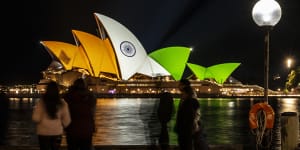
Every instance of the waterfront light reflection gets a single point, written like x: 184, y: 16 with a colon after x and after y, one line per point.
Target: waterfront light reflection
x: 289, y: 105
x: 132, y: 121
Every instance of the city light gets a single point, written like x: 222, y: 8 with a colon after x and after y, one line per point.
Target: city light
x: 289, y: 62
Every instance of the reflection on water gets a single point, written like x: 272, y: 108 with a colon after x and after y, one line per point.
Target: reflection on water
x: 125, y: 121
x: 289, y: 105
x: 132, y: 121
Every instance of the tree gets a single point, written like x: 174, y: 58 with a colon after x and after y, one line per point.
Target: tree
x: 290, y: 81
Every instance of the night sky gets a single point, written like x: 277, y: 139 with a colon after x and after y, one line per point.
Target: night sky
x: 219, y: 31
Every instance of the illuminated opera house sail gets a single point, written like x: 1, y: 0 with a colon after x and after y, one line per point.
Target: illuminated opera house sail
x: 115, y: 54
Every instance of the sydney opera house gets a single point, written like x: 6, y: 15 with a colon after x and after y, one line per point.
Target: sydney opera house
x: 115, y: 62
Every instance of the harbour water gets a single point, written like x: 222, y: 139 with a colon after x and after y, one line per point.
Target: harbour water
x: 132, y: 121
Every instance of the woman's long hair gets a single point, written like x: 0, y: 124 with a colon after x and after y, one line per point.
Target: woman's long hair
x: 52, y: 100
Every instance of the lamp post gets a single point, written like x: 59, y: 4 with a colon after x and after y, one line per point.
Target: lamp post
x: 266, y: 14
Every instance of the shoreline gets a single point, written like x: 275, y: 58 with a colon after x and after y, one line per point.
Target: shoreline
x: 129, y: 147
x: 156, y: 95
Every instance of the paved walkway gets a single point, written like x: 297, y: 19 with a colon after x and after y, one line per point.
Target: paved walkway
x: 127, y: 147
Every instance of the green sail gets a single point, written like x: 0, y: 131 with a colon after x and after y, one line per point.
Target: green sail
x: 219, y: 72
x: 173, y: 59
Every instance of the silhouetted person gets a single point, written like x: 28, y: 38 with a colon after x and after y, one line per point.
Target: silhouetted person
x: 189, y: 127
x: 165, y: 112
x: 4, y: 115
x: 51, y: 115
x: 82, y: 105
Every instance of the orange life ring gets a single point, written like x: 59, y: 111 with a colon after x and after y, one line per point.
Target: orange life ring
x: 269, y: 115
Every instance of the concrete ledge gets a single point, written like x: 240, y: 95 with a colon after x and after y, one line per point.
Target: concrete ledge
x: 129, y: 147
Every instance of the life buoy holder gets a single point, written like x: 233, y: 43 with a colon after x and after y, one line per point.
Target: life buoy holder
x: 269, y: 115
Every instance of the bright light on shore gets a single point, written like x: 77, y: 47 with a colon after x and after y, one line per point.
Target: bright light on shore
x: 289, y: 62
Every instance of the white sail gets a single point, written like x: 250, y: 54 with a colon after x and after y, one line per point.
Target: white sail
x: 130, y: 52
x: 151, y: 68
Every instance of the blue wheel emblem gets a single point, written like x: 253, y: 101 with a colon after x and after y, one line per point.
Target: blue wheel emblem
x: 127, y: 49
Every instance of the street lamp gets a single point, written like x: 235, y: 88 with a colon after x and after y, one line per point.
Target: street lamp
x: 266, y: 14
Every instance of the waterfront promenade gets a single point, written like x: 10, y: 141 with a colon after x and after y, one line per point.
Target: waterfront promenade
x: 21, y: 133
x: 124, y: 147
x: 218, y: 114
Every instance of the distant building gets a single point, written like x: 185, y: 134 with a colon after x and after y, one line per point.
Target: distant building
x: 116, y: 62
